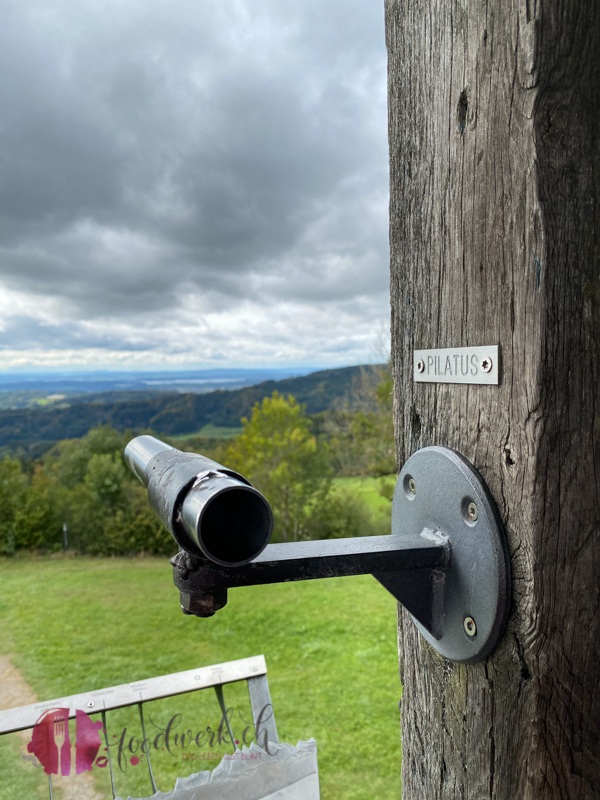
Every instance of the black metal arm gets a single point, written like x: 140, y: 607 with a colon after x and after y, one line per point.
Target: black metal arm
x: 203, y: 585
x: 446, y: 560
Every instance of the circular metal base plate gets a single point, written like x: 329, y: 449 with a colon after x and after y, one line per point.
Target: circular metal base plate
x: 438, y: 489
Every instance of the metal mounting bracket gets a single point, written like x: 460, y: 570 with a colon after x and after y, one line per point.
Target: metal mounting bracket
x: 446, y: 560
x: 440, y: 490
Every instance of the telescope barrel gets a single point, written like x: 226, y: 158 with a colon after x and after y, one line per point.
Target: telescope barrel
x: 210, y: 510
x: 140, y: 451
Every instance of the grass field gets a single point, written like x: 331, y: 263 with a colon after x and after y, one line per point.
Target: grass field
x: 75, y: 624
x: 369, y: 491
x: 208, y: 431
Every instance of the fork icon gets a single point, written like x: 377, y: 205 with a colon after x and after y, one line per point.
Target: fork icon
x: 63, y: 743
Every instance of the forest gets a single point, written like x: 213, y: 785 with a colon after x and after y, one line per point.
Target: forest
x: 33, y: 430
x: 78, y: 495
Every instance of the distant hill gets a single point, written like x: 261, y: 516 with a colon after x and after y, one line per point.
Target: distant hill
x: 167, y: 414
x: 56, y: 388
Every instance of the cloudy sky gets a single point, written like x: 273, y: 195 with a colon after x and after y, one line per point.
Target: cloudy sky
x: 193, y: 183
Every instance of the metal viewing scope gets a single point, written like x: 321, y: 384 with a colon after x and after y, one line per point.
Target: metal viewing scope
x: 210, y: 510
x: 446, y: 559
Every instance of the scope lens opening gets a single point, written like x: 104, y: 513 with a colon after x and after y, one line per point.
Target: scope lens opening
x: 235, y: 526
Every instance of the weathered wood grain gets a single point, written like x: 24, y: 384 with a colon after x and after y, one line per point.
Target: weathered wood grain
x: 494, y: 129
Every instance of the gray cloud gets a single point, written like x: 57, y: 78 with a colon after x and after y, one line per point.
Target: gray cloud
x: 226, y: 151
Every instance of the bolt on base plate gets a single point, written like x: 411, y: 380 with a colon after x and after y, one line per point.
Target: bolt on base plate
x: 440, y: 490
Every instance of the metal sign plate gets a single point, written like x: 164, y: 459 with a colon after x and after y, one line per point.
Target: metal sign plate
x: 457, y: 365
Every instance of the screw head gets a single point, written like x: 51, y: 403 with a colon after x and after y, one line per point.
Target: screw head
x: 486, y: 364
x: 470, y: 626
x: 472, y: 512
x: 420, y: 365
x: 90, y: 704
x: 412, y: 485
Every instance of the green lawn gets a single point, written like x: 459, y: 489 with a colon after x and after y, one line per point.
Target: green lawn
x: 208, y: 431
x: 368, y: 490
x: 76, y: 624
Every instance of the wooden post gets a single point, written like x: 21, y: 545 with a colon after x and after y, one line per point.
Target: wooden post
x: 495, y: 239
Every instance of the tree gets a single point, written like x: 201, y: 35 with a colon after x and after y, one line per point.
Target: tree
x: 494, y: 213
x: 84, y: 483
x: 360, y: 426
x: 70, y: 459
x: 105, y: 478
x: 280, y: 455
x: 38, y: 518
x: 13, y: 490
